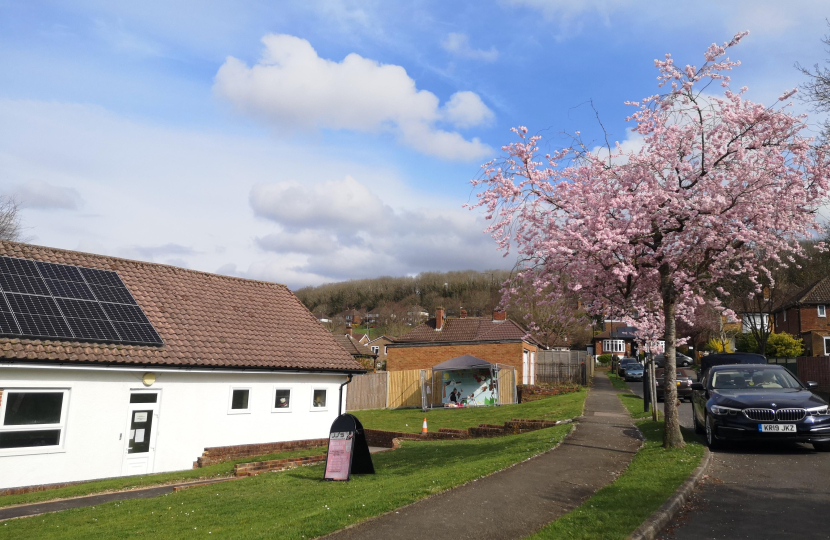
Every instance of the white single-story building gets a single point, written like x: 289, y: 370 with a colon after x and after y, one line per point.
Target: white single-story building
x: 242, y: 362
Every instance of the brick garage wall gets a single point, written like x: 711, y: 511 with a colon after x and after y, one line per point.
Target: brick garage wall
x: 404, y: 358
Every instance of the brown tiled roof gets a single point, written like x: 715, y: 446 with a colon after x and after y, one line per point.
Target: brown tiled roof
x: 816, y: 293
x: 206, y: 320
x: 353, y: 347
x: 468, y: 329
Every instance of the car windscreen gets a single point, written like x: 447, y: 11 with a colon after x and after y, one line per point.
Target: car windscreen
x: 635, y: 366
x: 753, y: 379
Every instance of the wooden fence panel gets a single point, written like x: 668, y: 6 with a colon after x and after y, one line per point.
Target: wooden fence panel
x: 816, y: 368
x: 367, y: 391
x: 405, y: 388
x: 507, y: 387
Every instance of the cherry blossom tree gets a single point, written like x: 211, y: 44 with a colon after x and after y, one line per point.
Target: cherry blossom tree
x: 645, y: 236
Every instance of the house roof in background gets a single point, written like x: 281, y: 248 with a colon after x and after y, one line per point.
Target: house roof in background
x: 206, y: 320
x: 815, y: 293
x: 618, y: 332
x: 468, y: 329
x: 353, y: 346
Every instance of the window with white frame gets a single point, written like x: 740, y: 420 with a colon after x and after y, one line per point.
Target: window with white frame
x: 385, y: 349
x: 375, y: 349
x: 282, y: 399
x: 613, y: 346
x: 239, y: 401
x: 827, y: 346
x: 822, y: 311
x: 33, y: 419
x: 318, y: 399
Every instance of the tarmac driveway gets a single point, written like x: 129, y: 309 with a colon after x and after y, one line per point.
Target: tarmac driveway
x: 759, y: 492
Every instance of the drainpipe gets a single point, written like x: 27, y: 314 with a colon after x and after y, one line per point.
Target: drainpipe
x: 340, y: 401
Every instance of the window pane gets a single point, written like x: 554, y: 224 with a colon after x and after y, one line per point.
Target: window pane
x: 240, y: 399
x: 319, y: 398
x: 24, y: 439
x: 282, y: 400
x: 28, y: 408
x: 143, y: 398
x: 141, y: 424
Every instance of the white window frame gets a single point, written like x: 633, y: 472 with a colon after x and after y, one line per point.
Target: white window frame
x: 291, y: 398
x: 826, y: 348
x: 30, y: 450
x: 386, y: 349
x: 231, y: 410
x: 375, y: 349
x: 618, y: 346
x: 822, y: 311
x: 311, y: 401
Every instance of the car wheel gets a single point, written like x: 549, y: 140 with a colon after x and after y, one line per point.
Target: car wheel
x: 711, y: 441
x: 822, y: 446
x: 698, y: 428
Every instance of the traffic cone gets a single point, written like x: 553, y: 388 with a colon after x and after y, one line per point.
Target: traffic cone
x: 424, y: 429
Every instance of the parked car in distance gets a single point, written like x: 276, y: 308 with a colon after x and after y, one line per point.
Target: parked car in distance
x: 685, y: 378
x: 765, y: 403
x: 681, y: 359
x: 624, y: 362
x: 634, y: 372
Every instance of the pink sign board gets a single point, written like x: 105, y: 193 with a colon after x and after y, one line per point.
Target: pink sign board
x: 339, y: 460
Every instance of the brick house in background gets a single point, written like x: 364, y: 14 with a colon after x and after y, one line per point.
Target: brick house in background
x: 804, y: 315
x: 497, y: 340
x: 379, y: 346
x: 616, y: 338
x: 358, y: 350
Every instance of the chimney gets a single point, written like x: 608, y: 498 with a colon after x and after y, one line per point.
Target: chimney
x: 439, y: 318
x: 348, y: 329
x: 463, y: 313
x: 499, y: 315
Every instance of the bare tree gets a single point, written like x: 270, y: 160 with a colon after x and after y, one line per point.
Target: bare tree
x: 817, y: 90
x: 9, y: 218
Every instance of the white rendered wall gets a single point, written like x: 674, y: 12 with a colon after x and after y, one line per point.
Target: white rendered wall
x: 193, y: 415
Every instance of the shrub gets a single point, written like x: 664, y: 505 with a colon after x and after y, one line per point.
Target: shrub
x: 605, y: 359
x: 718, y: 346
x: 746, y: 343
x: 784, y: 345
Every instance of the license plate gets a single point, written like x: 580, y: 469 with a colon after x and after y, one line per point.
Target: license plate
x: 776, y: 428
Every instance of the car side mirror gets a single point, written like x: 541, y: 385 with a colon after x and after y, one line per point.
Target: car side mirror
x: 812, y: 384
x: 697, y: 386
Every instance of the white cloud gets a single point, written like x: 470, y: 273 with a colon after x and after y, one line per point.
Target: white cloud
x: 291, y: 86
x: 459, y: 44
x: 43, y: 195
x: 465, y: 109
x: 346, y: 231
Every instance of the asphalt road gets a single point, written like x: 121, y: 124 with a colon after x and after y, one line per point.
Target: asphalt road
x: 757, y: 491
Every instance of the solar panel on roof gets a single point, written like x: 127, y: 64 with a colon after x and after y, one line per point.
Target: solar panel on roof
x: 59, y: 301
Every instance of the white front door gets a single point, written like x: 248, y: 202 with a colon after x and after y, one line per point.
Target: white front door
x: 142, y: 424
x: 525, y: 369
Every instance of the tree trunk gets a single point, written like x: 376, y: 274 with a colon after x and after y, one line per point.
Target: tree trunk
x: 672, y: 437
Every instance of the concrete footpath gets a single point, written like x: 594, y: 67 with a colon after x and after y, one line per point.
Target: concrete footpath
x: 520, y: 500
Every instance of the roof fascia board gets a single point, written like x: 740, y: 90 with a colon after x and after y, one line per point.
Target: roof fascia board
x: 170, y: 369
x: 400, y: 345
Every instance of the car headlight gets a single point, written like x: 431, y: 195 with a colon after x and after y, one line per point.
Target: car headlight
x: 717, y: 409
x: 817, y: 411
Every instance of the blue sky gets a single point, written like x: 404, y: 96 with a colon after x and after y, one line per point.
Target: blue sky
x: 306, y: 142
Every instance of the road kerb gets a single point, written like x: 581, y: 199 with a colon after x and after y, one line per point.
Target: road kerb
x: 661, y: 517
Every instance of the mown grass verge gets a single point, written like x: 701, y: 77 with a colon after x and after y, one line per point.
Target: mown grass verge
x: 219, y: 470
x: 410, y: 420
x: 655, y: 473
x: 617, y: 382
x: 293, y: 504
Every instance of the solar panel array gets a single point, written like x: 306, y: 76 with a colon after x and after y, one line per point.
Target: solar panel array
x: 58, y: 301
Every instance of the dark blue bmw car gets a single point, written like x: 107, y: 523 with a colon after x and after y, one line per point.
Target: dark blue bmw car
x: 758, y: 403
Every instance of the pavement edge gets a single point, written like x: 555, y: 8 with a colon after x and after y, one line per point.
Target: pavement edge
x: 661, y: 517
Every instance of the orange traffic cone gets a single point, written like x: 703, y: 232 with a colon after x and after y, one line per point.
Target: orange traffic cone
x: 424, y: 429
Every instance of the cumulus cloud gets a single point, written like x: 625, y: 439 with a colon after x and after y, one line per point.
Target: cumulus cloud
x: 43, y: 195
x: 465, y: 109
x: 346, y: 231
x: 291, y: 86
x: 459, y: 44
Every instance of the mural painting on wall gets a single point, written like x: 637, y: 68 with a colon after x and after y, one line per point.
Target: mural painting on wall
x: 470, y: 387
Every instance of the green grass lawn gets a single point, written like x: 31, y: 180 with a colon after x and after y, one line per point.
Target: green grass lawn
x: 410, y: 420
x: 615, y: 511
x: 617, y: 382
x: 131, y: 482
x: 293, y: 504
